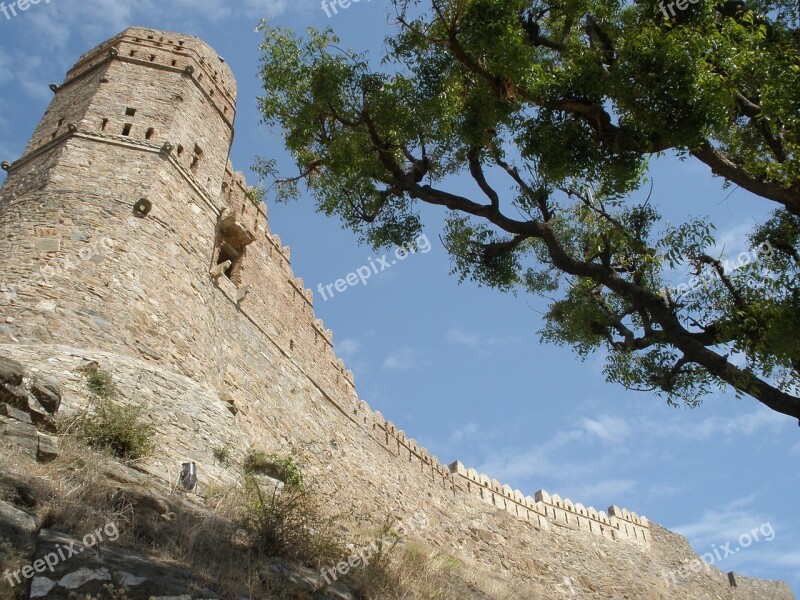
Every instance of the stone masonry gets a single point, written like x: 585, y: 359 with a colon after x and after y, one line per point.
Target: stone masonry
x: 128, y: 240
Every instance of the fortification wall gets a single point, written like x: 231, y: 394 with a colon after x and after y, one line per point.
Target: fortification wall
x: 193, y: 305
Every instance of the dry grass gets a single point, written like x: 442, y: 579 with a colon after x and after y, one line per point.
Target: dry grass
x: 231, y: 544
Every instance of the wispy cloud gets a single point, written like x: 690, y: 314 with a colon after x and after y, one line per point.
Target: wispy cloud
x: 474, y: 340
x: 61, y: 22
x: 404, y: 359
x: 604, y: 490
x: 607, y: 428
x: 466, y: 431
x: 739, y: 425
x: 347, y: 347
x: 723, y: 523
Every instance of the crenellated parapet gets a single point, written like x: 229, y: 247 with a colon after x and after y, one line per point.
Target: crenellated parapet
x: 545, y: 509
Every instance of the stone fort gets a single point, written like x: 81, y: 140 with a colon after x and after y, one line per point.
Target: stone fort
x: 129, y: 240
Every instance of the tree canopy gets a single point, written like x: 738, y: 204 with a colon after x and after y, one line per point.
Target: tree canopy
x: 568, y: 101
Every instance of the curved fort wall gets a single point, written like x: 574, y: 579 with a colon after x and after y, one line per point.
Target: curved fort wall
x: 129, y: 239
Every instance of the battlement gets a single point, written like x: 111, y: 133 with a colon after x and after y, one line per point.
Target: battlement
x: 545, y: 509
x: 168, y: 51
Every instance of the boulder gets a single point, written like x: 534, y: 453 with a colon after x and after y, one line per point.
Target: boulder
x: 48, y: 392
x: 48, y: 447
x: 11, y: 372
x: 16, y: 525
x: 21, y: 435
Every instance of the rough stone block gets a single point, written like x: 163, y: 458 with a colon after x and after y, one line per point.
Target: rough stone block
x: 21, y: 435
x: 48, y: 392
x: 15, y: 395
x: 11, y: 372
x: 16, y: 525
x: 48, y: 447
x: 6, y: 410
x: 41, y: 418
x: 48, y: 244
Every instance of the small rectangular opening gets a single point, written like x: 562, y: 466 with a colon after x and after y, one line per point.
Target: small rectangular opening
x: 103, y: 125
x: 133, y: 53
x: 152, y: 58
x: 174, y: 63
x: 61, y: 121
x: 127, y: 129
x: 180, y: 150
x: 149, y: 133
x: 130, y: 112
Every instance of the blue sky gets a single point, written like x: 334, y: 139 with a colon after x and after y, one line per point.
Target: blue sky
x: 461, y: 368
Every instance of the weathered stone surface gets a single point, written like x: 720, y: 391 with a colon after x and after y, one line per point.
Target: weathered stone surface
x: 47, y: 391
x: 6, y: 410
x: 11, y: 372
x: 17, y: 434
x: 16, y: 525
x: 94, y: 566
x: 48, y: 447
x: 39, y: 415
x: 15, y: 395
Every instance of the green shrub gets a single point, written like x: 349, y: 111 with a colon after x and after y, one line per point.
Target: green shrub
x: 287, y: 521
x: 101, y: 384
x: 119, y: 429
x: 109, y: 426
x: 284, y: 468
x: 222, y: 454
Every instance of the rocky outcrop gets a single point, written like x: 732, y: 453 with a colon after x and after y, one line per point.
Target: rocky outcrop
x: 27, y: 410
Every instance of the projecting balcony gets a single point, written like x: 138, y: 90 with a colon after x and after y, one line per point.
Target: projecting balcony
x: 235, y: 231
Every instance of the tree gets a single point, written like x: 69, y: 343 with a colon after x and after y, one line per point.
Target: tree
x: 568, y: 101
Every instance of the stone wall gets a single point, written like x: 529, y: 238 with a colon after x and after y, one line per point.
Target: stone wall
x: 190, y: 301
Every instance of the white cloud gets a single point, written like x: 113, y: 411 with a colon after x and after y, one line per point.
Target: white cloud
x: 605, y: 491
x: 60, y: 22
x: 463, y: 432
x: 607, y: 428
x: 704, y: 429
x: 474, y: 340
x: 347, y: 347
x: 734, y: 240
x: 544, y: 460
x: 724, y: 523
x: 403, y: 359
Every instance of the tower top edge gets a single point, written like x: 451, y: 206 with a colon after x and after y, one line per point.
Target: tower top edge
x: 201, y: 52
